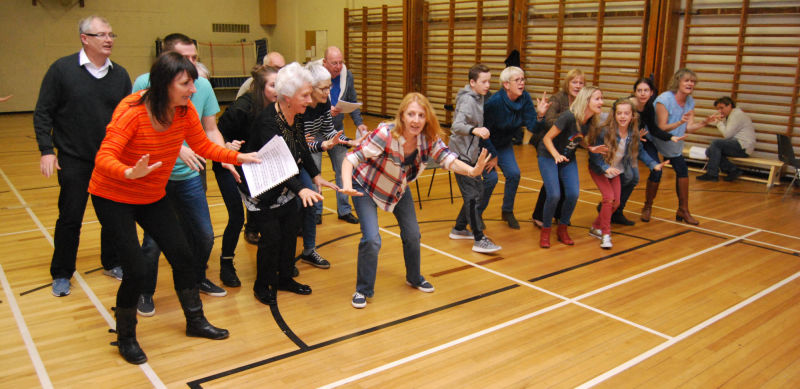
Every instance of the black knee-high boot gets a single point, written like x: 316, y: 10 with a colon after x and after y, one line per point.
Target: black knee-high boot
x: 126, y: 336
x: 196, y: 323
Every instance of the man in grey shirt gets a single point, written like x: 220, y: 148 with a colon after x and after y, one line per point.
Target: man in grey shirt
x: 738, y: 140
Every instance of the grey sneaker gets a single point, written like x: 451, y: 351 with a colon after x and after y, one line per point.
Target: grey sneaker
x: 208, y: 287
x: 596, y: 232
x: 145, y: 306
x: 606, y: 241
x: 461, y: 234
x: 61, y: 287
x: 316, y: 260
x: 424, y: 286
x: 359, y: 300
x: 115, y: 272
x: 485, y: 245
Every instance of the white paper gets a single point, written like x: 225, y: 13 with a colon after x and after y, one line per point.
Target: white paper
x: 277, y: 165
x: 347, y: 107
x: 697, y: 152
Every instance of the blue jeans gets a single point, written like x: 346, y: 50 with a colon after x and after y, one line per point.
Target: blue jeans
x: 188, y: 200
x: 507, y: 162
x: 370, y: 244
x: 718, y: 150
x: 309, y: 215
x: 627, y: 183
x: 551, y: 175
x: 336, y: 154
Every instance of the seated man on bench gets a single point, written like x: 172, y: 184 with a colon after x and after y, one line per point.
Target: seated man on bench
x: 739, y: 140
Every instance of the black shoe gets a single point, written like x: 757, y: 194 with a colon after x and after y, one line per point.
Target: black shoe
x: 619, y: 218
x: 316, y: 260
x: 318, y: 219
x: 129, y: 348
x: 707, y: 177
x: 251, y: 237
x: 294, y: 287
x: 732, y: 176
x: 227, y: 273
x: 266, y: 297
x: 509, y: 218
x: 208, y: 287
x: 350, y: 218
x: 196, y: 323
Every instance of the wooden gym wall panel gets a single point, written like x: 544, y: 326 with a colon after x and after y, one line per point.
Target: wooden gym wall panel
x: 602, y: 38
x: 457, y: 35
x: 751, y: 52
x: 374, y: 53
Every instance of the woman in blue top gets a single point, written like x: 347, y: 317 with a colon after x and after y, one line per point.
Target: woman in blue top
x: 675, y: 114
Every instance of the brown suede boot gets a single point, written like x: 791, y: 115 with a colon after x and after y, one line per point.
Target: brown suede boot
x: 650, y: 194
x: 682, y: 214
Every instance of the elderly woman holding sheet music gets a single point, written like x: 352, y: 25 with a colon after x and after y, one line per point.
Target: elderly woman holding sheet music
x: 276, y: 212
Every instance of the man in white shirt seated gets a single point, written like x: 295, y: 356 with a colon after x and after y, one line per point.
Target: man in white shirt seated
x: 739, y: 140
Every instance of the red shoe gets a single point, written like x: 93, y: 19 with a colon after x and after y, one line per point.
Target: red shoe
x: 563, y: 236
x: 544, y: 238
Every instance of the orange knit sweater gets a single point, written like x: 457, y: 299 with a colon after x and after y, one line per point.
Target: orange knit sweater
x: 131, y: 135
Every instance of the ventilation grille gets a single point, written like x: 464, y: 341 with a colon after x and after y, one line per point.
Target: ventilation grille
x: 228, y: 27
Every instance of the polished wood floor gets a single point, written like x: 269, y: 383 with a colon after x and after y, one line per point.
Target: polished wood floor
x: 670, y: 305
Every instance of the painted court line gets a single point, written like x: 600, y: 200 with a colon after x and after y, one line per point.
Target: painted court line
x: 148, y: 371
x: 663, y: 346
x: 530, y: 315
x: 38, y: 365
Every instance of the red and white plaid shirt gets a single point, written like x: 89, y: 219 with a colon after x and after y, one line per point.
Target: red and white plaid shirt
x: 379, y: 168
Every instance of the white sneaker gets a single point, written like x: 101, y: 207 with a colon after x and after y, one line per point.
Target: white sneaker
x: 461, y: 234
x: 485, y: 245
x: 596, y: 232
x: 359, y: 300
x: 606, y: 243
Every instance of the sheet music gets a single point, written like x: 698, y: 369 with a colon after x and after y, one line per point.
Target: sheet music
x: 347, y: 107
x: 277, y: 165
x: 697, y: 152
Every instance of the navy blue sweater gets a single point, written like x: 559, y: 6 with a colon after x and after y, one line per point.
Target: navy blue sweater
x: 503, y: 117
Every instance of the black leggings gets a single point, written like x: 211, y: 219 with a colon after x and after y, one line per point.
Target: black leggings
x: 277, y: 245
x: 678, y: 164
x: 159, y: 221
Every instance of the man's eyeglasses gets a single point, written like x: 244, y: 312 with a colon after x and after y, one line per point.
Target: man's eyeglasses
x: 102, y: 35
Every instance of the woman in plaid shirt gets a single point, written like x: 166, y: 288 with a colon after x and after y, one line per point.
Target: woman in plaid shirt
x: 381, y: 168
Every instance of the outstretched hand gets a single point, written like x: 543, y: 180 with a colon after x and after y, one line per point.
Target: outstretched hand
x: 677, y: 139
x: 542, y: 105
x: 483, y: 160
x: 309, y: 197
x: 599, y: 149
x: 319, y: 182
x: 142, y: 168
x: 350, y: 192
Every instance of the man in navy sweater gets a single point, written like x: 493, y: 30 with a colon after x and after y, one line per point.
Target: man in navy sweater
x: 77, y: 97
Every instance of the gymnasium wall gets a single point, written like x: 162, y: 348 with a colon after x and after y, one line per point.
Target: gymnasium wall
x: 35, y: 36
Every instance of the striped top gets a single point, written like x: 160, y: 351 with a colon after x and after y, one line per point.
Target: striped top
x: 380, y: 166
x: 131, y: 135
x: 318, y: 123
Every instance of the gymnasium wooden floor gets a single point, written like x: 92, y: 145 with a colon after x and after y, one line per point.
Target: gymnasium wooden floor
x: 670, y: 305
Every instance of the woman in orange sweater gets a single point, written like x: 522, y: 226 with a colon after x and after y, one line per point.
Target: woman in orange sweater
x: 126, y: 189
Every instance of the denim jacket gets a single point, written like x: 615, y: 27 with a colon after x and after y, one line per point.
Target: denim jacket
x: 599, y: 165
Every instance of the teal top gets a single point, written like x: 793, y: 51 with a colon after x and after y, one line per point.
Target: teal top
x: 206, y: 104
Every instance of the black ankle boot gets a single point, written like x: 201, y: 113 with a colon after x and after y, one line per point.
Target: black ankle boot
x: 126, y: 336
x: 196, y: 323
x: 227, y: 273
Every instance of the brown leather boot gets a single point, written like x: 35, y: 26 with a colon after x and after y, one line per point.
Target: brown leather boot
x: 544, y: 238
x: 682, y: 214
x: 650, y: 194
x: 563, y: 236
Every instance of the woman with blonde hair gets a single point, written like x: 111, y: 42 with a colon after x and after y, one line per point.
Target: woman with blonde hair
x: 557, y: 160
x: 377, y: 174
x: 572, y: 83
x: 620, y: 135
x: 675, y: 114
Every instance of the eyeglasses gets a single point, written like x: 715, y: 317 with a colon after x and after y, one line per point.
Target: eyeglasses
x: 325, y: 89
x: 519, y: 80
x: 102, y: 35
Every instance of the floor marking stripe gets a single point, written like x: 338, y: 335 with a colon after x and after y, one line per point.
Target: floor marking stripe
x: 148, y: 371
x: 38, y: 365
x: 663, y: 346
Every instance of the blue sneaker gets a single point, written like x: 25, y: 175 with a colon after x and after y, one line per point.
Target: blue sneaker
x: 425, y: 286
x: 61, y: 287
x: 115, y: 272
